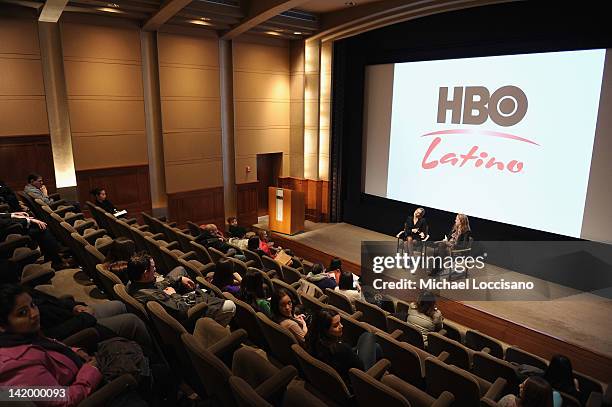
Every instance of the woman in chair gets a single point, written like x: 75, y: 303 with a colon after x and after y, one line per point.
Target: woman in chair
x: 415, y: 228
x: 459, y: 236
x: 283, y: 314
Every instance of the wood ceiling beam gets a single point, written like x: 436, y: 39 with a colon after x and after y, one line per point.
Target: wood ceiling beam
x: 165, y: 13
x: 259, y: 12
x: 52, y: 11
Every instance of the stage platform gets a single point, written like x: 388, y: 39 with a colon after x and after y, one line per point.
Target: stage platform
x: 577, y: 323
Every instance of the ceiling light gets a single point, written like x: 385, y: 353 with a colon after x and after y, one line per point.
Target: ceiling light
x: 113, y: 5
x: 350, y: 3
x: 204, y: 18
x: 297, y: 33
x: 198, y: 22
x: 272, y: 33
x: 109, y: 10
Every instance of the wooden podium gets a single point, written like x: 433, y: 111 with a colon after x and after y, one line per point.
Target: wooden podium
x: 285, y: 210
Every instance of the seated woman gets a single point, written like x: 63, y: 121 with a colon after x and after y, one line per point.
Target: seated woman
x: 459, y: 235
x: 349, y: 287
x: 415, y: 228
x: 117, y: 258
x: 265, y: 245
x: 225, y: 278
x: 560, y: 376
x: 101, y: 200
x: 253, y: 292
x: 424, y: 314
x: 320, y: 278
x: 283, y: 314
x: 325, y: 343
x: 533, y: 392
x: 28, y: 358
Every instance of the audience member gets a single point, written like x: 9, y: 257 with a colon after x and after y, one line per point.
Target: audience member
x: 29, y: 358
x: 235, y: 230
x: 325, y: 343
x: 349, y: 287
x: 225, y: 278
x: 37, y: 230
x: 283, y: 314
x: 560, y: 376
x: 117, y: 258
x: 265, y: 245
x: 8, y: 197
x: 37, y: 189
x: 533, y: 392
x: 212, y: 237
x: 253, y: 292
x: 335, y: 267
x: 424, y: 314
x: 101, y: 200
x: 62, y: 317
x: 320, y: 278
x: 169, y: 291
x: 253, y: 246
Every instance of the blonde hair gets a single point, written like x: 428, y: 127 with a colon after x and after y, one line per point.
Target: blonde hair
x: 462, y: 227
x: 420, y: 211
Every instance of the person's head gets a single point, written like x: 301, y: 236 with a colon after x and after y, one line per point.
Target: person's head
x: 346, y: 281
x: 281, y: 304
x: 263, y: 235
x: 121, y: 250
x: 419, y: 213
x: 326, y: 327
x: 559, y: 373
x: 252, y: 286
x: 224, y: 274
x: 18, y: 313
x: 426, y: 304
x: 535, y: 392
x: 99, y: 194
x: 232, y: 221
x: 462, y: 223
x: 317, y: 268
x: 35, y: 180
x: 253, y: 243
x: 141, y: 268
x: 335, y: 264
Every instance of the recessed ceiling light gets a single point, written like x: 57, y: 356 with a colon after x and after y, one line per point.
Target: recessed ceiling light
x: 113, y: 5
x: 350, y: 3
x: 109, y: 10
x: 272, y: 33
x: 198, y: 22
x: 204, y: 18
x: 297, y: 33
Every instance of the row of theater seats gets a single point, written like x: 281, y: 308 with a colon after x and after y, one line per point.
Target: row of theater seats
x: 443, y: 372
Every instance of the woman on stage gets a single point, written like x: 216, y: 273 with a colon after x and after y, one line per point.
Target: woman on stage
x: 415, y: 228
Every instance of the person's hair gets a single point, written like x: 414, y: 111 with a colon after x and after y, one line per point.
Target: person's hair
x: 464, y: 225
x: 224, y: 274
x: 231, y: 219
x: 318, y: 338
x: 8, y: 294
x: 536, y: 393
x: 426, y: 304
x: 420, y: 211
x: 121, y: 250
x: 33, y: 177
x: 346, y: 281
x: 138, y: 264
x: 97, y: 191
x: 253, y: 243
x: 261, y: 233
x: 252, y: 288
x: 560, y: 374
x: 277, y: 295
x: 316, y: 268
x: 335, y: 264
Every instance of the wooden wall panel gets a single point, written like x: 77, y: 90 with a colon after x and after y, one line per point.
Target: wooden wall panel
x: 127, y: 187
x: 262, y: 89
x: 23, y: 109
x: 316, y: 196
x: 105, y: 95
x: 246, y: 203
x: 200, y: 206
x: 20, y: 156
x: 191, y: 117
x: 296, y: 145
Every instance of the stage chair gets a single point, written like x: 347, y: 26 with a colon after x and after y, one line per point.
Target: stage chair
x: 312, y: 304
x: 240, y: 267
x: 372, y: 314
x: 108, y: 279
x: 139, y: 238
x: 271, y: 264
x: 252, y: 256
x: 409, y: 365
x: 477, y: 341
x: 246, y: 318
x: 521, y: 357
x: 195, y: 268
x: 467, y: 388
x: 490, y: 368
x: 279, y: 340
x: 201, y: 252
x: 281, y: 284
x: 290, y: 275
x: 216, y: 255
x: 451, y: 331
x: 132, y: 304
x: 153, y: 248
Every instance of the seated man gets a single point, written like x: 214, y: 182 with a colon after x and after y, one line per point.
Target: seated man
x: 235, y: 230
x: 175, y: 292
x: 211, y: 237
x: 62, y: 317
x: 37, y: 230
x: 37, y: 189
